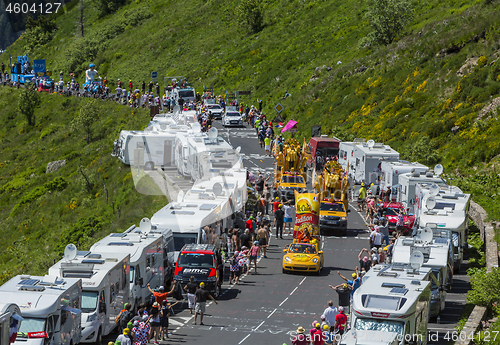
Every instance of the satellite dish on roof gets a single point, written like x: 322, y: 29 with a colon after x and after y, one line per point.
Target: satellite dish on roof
x: 217, y: 189
x: 438, y: 169
x: 434, y: 189
x: 145, y: 225
x: 416, y: 259
x: 212, y: 133
x: 238, y: 150
x: 180, y: 196
x: 430, y: 203
x: 70, y: 252
x: 196, y: 127
x: 426, y: 235
x: 370, y: 143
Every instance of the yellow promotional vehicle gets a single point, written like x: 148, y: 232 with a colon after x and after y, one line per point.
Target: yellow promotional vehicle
x: 332, y: 217
x: 289, y: 183
x: 289, y: 174
x: 302, y: 257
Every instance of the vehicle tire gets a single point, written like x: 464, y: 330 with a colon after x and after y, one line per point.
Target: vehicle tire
x: 149, y: 166
x: 217, y: 291
x: 284, y: 271
x: 98, y: 340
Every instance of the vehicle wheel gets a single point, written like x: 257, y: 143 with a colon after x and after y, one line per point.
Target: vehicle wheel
x: 284, y: 271
x: 217, y: 291
x: 98, y: 340
x: 149, y: 166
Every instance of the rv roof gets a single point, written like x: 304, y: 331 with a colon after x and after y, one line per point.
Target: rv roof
x: 438, y: 256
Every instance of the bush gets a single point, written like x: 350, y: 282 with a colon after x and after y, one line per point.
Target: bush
x: 388, y: 18
x: 28, y: 101
x: 84, y: 229
x: 485, y: 287
x: 250, y: 13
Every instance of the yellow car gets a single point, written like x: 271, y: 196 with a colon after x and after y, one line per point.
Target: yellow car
x: 333, y: 218
x: 290, y: 182
x: 302, y: 257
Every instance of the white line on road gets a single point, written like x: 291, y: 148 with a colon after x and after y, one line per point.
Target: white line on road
x: 269, y: 316
x: 283, y: 302
x: 291, y: 293
x: 244, y: 338
x: 302, y: 281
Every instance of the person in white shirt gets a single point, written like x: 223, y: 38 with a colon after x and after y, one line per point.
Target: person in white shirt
x: 91, y: 73
x: 289, y: 216
x: 330, y: 313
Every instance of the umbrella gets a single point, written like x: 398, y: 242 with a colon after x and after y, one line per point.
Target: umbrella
x: 289, y: 126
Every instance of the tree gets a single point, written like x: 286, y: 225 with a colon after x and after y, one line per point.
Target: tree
x: 84, y: 121
x: 485, y: 287
x: 28, y: 101
x: 388, y: 19
x: 105, y: 7
x: 250, y: 13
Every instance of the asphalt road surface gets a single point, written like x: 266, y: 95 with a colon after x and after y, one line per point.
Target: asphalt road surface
x: 266, y: 307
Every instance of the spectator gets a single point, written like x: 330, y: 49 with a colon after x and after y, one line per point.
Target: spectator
x: 190, y: 288
x: 364, y: 261
x: 234, y: 268
x: 125, y: 338
x: 361, y: 198
x: 245, y: 239
x: 344, y: 291
x: 355, y: 283
x: 166, y: 311
x: 279, y: 221
x: 384, y: 230
x: 317, y: 335
x: 376, y: 237
x: 200, y: 299
x: 330, y: 313
x: 300, y: 338
x: 160, y: 296
x: 341, y: 321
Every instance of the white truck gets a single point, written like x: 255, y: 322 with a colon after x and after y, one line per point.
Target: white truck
x: 407, y: 183
x: 389, y: 311
x: 106, y: 289
x: 145, y: 148
x: 447, y: 211
x: 148, y: 260
x: 10, y: 321
x: 390, y: 171
x: 438, y: 257
x: 364, y: 159
x: 50, y: 308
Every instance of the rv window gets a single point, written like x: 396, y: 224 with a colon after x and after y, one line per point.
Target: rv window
x: 382, y: 302
x: 137, y: 273
x: 357, y: 161
x: 434, y: 281
x: 89, y: 301
x: 437, y: 274
x: 180, y: 239
x: 140, y: 145
x: 131, y: 274
x: 379, y: 325
x: 30, y: 324
x: 148, y: 260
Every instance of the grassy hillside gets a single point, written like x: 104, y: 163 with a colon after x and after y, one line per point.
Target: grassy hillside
x: 442, y: 73
x: 40, y: 213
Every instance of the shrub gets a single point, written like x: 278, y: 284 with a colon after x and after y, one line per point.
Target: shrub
x: 485, y: 287
x: 388, y: 18
x: 250, y: 13
x: 85, y: 228
x: 28, y: 101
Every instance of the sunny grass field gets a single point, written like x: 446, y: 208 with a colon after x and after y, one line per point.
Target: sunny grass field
x: 407, y: 94
x: 40, y: 213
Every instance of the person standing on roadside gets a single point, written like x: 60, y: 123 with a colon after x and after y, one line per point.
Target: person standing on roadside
x: 361, y: 198
x: 234, y: 268
x: 245, y: 238
x: 254, y: 252
x: 344, y: 292
x: 279, y: 221
x: 341, y: 321
x: 330, y: 313
x: 263, y: 238
x: 384, y: 230
x: 267, y: 145
x: 200, y: 299
x: 300, y: 338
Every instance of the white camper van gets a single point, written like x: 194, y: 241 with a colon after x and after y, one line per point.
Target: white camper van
x: 50, y: 308
x: 390, y: 171
x: 437, y: 256
x: 106, y: 289
x: 10, y: 316
x: 447, y: 211
x: 145, y: 148
x: 146, y: 246
x: 346, y: 154
x: 407, y: 183
x: 389, y: 311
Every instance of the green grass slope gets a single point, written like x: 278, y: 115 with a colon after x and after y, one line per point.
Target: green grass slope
x: 40, y: 213
x: 409, y: 94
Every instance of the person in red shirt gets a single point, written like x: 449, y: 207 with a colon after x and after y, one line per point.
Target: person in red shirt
x: 160, y: 296
x: 317, y: 335
x: 341, y: 321
x: 249, y: 224
x: 300, y: 338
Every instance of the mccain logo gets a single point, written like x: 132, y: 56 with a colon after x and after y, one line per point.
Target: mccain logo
x: 195, y: 271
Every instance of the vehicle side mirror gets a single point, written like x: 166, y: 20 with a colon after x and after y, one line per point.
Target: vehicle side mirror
x: 284, y: 250
x: 140, y: 281
x: 102, y: 308
x: 320, y: 252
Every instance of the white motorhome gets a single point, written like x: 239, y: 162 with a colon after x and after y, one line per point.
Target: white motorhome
x: 437, y: 256
x: 145, y: 148
x: 407, y: 183
x: 181, y: 154
x: 364, y: 158
x: 389, y: 311
x: 148, y: 264
x: 447, y: 211
x: 10, y: 320
x: 106, y: 289
x: 202, y: 206
x: 50, y: 308
x: 392, y: 169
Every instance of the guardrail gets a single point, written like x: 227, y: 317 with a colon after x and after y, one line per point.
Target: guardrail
x: 479, y: 216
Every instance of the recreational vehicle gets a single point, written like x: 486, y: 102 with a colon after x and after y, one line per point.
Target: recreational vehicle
x: 390, y: 171
x: 106, y: 289
x: 50, y: 308
x: 407, y: 183
x: 389, y: 311
x: 146, y: 247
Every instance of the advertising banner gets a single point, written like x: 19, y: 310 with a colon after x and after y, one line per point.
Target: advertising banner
x: 306, y: 214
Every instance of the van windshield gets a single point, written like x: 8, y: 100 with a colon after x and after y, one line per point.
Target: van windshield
x: 181, y: 239
x: 29, y: 325
x: 437, y: 274
x: 292, y: 179
x: 379, y: 325
x: 89, y: 301
x: 195, y: 260
x: 186, y: 93
x: 326, y: 206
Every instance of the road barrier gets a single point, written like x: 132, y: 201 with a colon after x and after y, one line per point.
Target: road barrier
x: 479, y: 216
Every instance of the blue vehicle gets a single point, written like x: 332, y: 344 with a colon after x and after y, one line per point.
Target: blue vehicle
x: 26, y: 70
